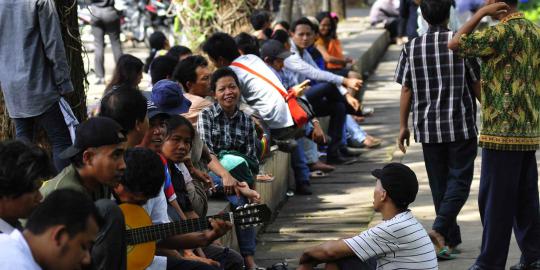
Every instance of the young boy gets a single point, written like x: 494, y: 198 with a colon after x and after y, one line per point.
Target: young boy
x: 438, y: 85
x: 399, y: 242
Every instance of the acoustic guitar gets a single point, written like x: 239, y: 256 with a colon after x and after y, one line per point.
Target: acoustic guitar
x: 141, y: 234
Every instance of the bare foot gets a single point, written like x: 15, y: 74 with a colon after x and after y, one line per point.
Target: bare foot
x: 266, y: 177
x: 249, y: 193
x: 437, y: 239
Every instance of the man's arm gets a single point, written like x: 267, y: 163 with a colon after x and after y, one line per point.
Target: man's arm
x: 404, y: 111
x: 469, y: 26
x: 196, y: 239
x: 326, y: 252
x: 296, y: 64
x: 51, y: 36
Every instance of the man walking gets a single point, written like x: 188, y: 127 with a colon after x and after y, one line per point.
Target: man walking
x: 438, y: 85
x: 510, y: 135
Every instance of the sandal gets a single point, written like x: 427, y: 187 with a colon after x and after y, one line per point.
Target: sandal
x: 441, y: 249
x: 320, y: 166
x: 374, y: 142
x: 318, y: 174
x: 444, y: 254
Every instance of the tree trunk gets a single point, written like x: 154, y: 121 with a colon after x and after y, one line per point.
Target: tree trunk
x: 67, y: 12
x: 232, y: 16
x: 311, y: 7
x: 285, y: 10
x: 339, y: 7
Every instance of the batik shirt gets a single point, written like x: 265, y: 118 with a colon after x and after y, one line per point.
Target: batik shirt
x: 510, y: 52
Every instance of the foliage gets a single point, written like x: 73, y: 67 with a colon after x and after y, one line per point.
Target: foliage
x: 194, y: 19
x: 532, y: 10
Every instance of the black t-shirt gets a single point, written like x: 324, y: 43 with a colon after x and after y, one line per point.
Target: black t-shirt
x: 177, y: 179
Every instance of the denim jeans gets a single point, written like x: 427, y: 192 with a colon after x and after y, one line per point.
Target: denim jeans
x: 246, y: 237
x: 54, y: 124
x: 310, y: 150
x: 109, y: 250
x: 508, y: 198
x: 300, y: 165
x: 450, y: 168
x: 353, y: 131
x: 328, y: 101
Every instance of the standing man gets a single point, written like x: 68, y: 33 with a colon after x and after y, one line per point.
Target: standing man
x: 105, y: 19
x: 34, y: 71
x: 510, y: 136
x: 444, y: 118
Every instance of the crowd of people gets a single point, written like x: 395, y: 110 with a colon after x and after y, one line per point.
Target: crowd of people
x: 206, y: 124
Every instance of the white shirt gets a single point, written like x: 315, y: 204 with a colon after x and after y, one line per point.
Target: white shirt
x: 398, y: 243
x: 15, y: 253
x: 261, y: 95
x: 376, y: 13
x: 5, y: 227
x: 157, y: 210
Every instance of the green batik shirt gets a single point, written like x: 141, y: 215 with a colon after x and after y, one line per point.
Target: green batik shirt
x: 510, y: 53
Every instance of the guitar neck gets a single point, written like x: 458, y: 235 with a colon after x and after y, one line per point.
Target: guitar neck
x: 161, y: 231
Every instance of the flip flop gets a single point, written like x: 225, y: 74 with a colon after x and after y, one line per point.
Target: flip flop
x: 444, y: 254
x: 318, y: 174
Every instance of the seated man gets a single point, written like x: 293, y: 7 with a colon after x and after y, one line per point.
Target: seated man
x: 142, y: 185
x: 399, y: 242
x: 194, y: 75
x: 261, y: 21
x: 387, y: 13
x: 328, y: 94
x: 274, y: 53
x: 97, y: 164
x: 256, y: 91
x: 22, y: 166
x: 57, y: 235
x: 127, y: 107
x: 162, y: 68
x: 230, y: 135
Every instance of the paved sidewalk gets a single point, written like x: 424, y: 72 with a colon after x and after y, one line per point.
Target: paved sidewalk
x: 341, y: 205
x: 469, y: 218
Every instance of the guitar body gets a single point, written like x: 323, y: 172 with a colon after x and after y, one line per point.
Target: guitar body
x: 141, y: 234
x: 139, y: 256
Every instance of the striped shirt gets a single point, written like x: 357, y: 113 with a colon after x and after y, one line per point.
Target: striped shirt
x: 443, y: 102
x: 398, y: 243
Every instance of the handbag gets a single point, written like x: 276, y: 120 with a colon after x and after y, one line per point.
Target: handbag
x: 300, y: 109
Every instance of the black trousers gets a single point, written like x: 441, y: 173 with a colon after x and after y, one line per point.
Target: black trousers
x: 508, y: 199
x: 105, y: 21
x: 450, y: 168
x: 110, y: 250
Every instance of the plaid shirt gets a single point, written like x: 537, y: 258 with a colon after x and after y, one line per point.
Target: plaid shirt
x: 220, y: 132
x: 443, y: 103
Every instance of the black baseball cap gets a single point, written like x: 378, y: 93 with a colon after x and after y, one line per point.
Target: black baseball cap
x: 274, y: 48
x: 95, y: 132
x: 400, y: 183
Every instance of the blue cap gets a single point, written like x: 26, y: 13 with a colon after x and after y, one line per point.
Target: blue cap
x: 169, y: 98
